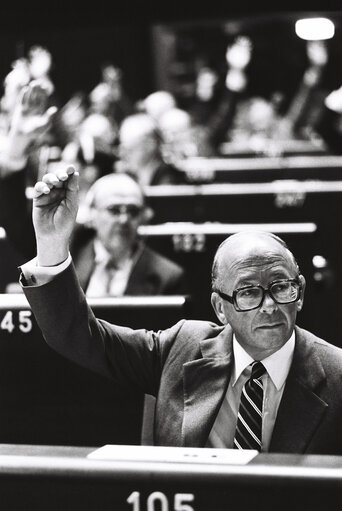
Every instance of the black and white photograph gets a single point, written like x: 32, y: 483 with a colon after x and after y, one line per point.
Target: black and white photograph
x: 171, y: 256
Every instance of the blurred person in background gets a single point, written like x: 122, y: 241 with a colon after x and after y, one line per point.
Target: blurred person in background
x: 13, y: 83
x: 181, y: 137
x: 157, y: 103
x: 216, y: 102
x: 109, y: 96
x: 40, y: 64
x: 33, y: 68
x: 140, y: 152
x: 70, y: 116
x: 330, y: 124
x: 110, y: 257
x: 305, y: 108
x: 93, y: 144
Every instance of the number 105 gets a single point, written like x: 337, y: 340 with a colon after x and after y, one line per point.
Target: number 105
x: 181, y: 501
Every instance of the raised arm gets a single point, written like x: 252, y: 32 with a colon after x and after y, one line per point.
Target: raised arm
x: 130, y: 357
x: 30, y: 121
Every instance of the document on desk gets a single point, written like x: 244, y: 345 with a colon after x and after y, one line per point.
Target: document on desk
x: 173, y: 454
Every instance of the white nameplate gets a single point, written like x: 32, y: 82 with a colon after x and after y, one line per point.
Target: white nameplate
x: 173, y: 454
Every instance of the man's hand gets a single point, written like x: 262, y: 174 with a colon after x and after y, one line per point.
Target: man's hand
x: 55, y: 204
x: 31, y: 116
x: 30, y: 121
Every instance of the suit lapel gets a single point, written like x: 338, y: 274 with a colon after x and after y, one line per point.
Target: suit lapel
x: 143, y: 279
x: 301, y: 410
x: 205, y: 384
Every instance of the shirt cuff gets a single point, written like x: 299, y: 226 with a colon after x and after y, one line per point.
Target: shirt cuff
x: 34, y: 275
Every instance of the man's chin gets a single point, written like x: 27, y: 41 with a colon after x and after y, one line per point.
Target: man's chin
x: 269, y: 337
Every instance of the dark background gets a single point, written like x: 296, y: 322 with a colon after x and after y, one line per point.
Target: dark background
x: 82, y: 35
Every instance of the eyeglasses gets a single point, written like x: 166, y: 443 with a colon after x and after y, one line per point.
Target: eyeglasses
x: 250, y: 297
x: 130, y: 210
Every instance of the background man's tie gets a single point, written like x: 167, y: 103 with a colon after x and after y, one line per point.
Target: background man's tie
x: 249, y: 422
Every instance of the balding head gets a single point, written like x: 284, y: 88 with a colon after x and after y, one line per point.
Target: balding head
x: 136, y: 127
x: 116, y: 210
x: 260, y: 261
x: 118, y: 187
x: 246, y: 248
x: 159, y: 102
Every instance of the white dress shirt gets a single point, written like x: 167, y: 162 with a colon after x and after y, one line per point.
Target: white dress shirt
x: 107, y: 280
x: 36, y: 275
x: 277, y: 368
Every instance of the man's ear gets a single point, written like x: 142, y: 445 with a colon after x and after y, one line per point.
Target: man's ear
x: 89, y: 216
x: 300, y: 302
x: 217, y: 304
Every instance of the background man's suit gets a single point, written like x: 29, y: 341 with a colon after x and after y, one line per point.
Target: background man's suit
x: 152, y: 273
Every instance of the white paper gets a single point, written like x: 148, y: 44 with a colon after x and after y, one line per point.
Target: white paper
x: 173, y: 454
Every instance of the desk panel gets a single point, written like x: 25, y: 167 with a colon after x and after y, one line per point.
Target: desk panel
x: 277, y: 201
x: 37, y: 478
x: 46, y: 399
x: 261, y: 169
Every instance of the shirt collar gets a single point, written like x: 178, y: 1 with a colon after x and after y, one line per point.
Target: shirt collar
x: 103, y: 256
x: 277, y: 365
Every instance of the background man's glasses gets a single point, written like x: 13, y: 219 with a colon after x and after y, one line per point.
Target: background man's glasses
x: 124, y: 209
x: 250, y: 297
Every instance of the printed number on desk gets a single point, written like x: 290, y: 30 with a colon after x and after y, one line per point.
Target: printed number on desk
x: 17, y: 321
x: 159, y: 501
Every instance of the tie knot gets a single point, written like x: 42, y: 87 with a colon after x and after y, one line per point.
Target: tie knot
x: 258, y: 369
x: 111, y: 265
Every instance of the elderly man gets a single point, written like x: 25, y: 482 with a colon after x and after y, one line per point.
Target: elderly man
x: 255, y: 381
x: 110, y: 257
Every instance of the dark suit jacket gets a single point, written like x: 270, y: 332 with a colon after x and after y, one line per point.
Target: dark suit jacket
x: 152, y: 274
x: 188, y: 366
x: 166, y: 174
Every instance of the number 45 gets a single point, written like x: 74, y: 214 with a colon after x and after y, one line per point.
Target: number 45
x: 25, y: 322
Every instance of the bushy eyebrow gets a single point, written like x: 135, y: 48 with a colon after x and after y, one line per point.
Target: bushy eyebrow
x: 247, y: 279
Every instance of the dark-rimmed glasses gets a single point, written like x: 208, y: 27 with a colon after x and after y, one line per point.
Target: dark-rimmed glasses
x: 250, y: 297
x: 130, y: 210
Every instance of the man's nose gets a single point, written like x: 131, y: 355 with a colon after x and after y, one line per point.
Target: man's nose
x: 123, y: 217
x: 268, y: 304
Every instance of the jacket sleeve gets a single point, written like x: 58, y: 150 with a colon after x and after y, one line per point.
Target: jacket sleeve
x: 131, y: 358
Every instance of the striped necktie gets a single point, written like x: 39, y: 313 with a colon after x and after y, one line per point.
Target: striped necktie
x: 249, y: 421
